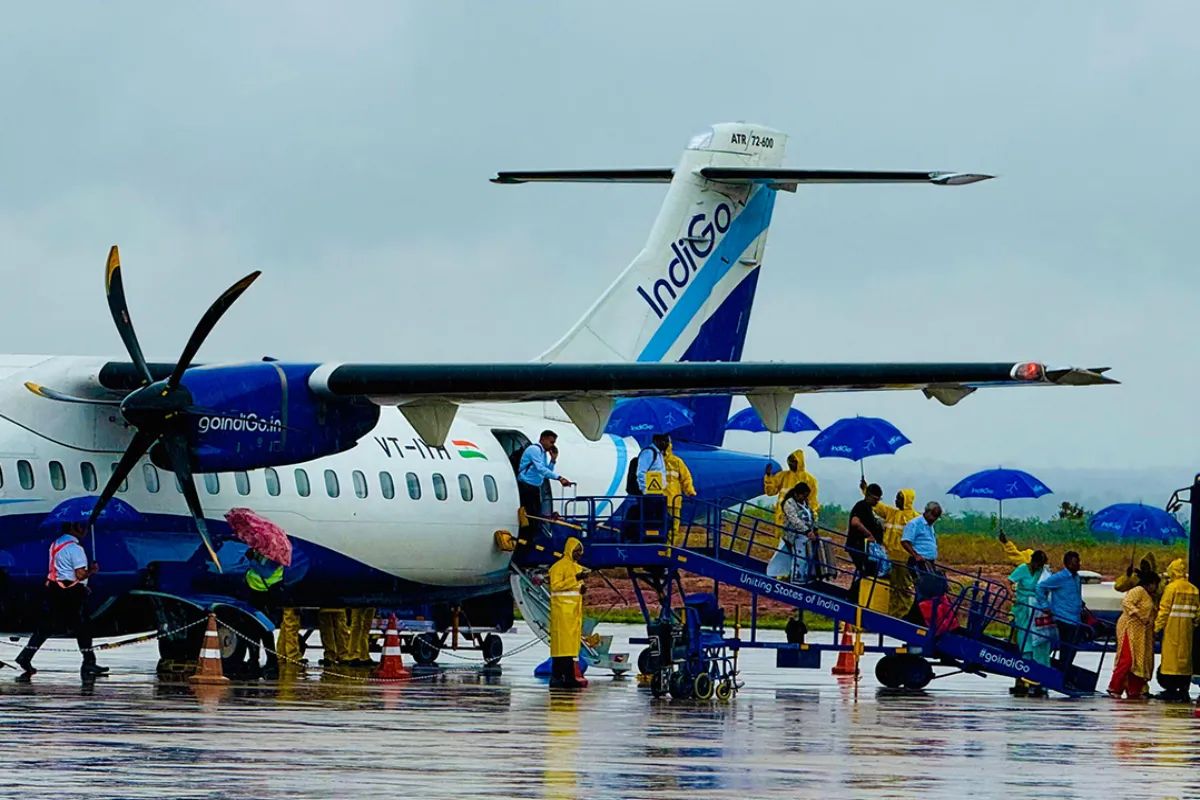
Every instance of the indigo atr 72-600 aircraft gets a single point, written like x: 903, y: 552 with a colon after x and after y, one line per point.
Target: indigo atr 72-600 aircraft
x: 393, y: 479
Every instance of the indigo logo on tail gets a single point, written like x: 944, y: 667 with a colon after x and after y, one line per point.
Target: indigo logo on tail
x: 690, y: 253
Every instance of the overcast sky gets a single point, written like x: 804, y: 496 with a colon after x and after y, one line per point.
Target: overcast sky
x: 344, y: 149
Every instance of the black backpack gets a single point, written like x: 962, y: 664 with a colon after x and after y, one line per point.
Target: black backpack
x: 514, y: 458
x: 631, y: 481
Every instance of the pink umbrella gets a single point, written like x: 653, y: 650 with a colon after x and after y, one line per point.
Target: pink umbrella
x: 261, y: 534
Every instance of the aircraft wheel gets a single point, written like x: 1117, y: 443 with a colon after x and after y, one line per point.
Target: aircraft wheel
x: 917, y: 673
x: 703, y: 686
x: 493, y: 649
x: 889, y: 671
x: 723, y: 691
x: 426, y: 649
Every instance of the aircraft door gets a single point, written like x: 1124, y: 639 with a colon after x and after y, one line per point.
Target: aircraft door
x: 514, y: 443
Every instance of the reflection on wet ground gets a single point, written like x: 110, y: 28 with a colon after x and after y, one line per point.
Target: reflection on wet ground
x: 789, y: 733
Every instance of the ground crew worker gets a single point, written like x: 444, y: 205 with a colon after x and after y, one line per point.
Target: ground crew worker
x: 335, y: 636
x: 894, y: 519
x: 537, y: 465
x: 1178, y: 615
x: 1133, y: 578
x: 359, y: 649
x: 1014, y: 554
x: 679, y: 485
x: 264, y: 577
x: 566, y: 615
x: 289, y: 639
x: 781, y: 483
x: 66, y: 602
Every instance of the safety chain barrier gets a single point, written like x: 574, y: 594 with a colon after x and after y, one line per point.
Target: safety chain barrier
x: 148, y: 637
x: 481, y: 663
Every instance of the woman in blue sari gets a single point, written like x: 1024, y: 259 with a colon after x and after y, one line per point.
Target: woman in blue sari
x: 1032, y: 623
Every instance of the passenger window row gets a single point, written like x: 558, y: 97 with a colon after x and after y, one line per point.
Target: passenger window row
x: 241, y: 481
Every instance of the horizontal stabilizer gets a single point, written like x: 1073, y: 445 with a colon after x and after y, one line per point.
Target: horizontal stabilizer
x: 777, y: 177
x: 785, y: 178
x: 647, y: 175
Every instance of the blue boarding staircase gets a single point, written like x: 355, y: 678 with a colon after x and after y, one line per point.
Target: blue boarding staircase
x: 731, y: 543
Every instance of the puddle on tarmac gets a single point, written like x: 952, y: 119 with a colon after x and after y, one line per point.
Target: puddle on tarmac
x: 789, y: 733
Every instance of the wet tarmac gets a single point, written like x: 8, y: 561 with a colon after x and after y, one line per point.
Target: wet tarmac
x: 788, y: 733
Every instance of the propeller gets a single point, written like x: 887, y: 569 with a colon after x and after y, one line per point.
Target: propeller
x: 159, y: 410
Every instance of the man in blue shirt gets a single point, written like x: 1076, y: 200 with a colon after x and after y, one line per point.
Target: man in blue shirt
x: 920, y: 541
x: 537, y: 467
x: 1063, y: 592
x: 653, y: 459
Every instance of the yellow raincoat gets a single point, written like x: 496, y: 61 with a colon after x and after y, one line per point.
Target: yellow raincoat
x: 894, y: 520
x: 781, y: 483
x: 1178, y: 615
x: 679, y: 485
x: 1124, y: 583
x: 1016, y: 556
x: 566, y: 602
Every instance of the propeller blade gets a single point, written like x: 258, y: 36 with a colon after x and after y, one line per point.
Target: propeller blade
x: 137, y: 448
x: 51, y: 394
x: 176, y: 448
x: 207, y: 323
x: 114, y: 287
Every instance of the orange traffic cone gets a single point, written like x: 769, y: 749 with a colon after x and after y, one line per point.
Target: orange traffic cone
x: 391, y: 666
x: 847, y: 662
x: 210, y: 657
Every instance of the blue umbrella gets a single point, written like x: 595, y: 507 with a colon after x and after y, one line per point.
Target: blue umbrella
x: 1001, y: 485
x: 1136, y: 521
x: 78, y: 509
x: 640, y: 417
x: 748, y: 420
x: 856, y: 438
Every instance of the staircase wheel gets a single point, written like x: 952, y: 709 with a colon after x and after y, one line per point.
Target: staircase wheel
x: 723, y: 691
x: 425, y: 649
x: 889, y: 671
x: 660, y: 683
x: 493, y: 649
x: 643, y: 661
x: 703, y: 686
x: 917, y: 673
x: 681, y: 684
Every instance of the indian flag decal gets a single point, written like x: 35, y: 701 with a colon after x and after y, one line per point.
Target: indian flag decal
x: 468, y: 449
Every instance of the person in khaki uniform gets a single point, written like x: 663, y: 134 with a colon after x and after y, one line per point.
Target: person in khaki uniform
x: 335, y: 636
x: 358, y: 652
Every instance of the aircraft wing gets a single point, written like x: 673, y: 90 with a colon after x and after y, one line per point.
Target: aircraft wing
x: 428, y: 394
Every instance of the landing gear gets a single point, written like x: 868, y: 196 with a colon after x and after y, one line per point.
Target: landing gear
x: 904, y: 670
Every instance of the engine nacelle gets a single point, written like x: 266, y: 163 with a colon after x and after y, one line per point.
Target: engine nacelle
x: 262, y: 414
